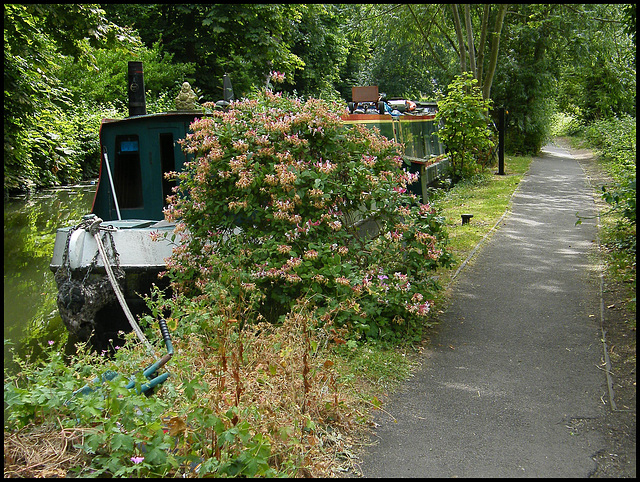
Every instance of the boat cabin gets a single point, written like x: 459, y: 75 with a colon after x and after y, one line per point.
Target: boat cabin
x: 412, y: 124
x: 139, y: 151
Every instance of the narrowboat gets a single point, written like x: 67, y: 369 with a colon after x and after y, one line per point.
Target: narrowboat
x: 127, y: 208
x: 113, y: 256
x: 409, y: 123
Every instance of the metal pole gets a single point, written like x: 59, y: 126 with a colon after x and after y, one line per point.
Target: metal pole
x: 113, y: 189
x: 501, y: 141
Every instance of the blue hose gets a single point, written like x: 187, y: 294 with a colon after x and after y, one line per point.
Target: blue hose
x: 148, y: 373
x: 154, y: 367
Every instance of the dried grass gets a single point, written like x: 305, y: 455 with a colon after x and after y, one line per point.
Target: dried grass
x: 42, y: 451
x: 291, y: 389
x: 281, y: 381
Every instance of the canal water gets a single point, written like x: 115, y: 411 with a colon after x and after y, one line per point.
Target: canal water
x: 31, y: 317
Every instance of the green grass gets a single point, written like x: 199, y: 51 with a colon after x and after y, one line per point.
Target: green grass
x: 487, y: 197
x: 378, y: 365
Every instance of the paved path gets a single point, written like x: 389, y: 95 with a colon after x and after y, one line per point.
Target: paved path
x: 513, y: 370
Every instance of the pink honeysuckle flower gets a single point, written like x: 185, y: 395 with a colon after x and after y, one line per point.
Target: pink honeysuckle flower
x: 277, y: 77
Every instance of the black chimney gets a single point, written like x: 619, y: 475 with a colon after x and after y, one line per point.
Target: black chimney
x: 135, y: 87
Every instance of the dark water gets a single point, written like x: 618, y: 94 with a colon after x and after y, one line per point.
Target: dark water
x: 31, y: 317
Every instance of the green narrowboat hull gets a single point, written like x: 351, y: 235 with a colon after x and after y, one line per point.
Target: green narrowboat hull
x: 423, y: 151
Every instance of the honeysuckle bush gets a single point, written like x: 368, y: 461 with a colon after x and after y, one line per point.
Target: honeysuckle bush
x: 284, y: 201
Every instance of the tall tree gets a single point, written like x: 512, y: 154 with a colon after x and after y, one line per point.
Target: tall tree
x: 597, y: 59
x: 470, y: 47
x: 475, y: 52
x: 447, y: 42
x: 306, y: 42
x: 244, y: 40
x: 524, y: 56
x: 575, y: 58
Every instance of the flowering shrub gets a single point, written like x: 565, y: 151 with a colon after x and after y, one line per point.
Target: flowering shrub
x: 283, y: 200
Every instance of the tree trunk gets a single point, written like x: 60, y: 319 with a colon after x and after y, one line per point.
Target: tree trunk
x: 472, y: 48
x: 463, y: 53
x: 495, y: 44
x: 481, y: 44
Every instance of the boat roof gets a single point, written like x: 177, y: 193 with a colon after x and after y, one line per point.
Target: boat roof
x: 174, y: 113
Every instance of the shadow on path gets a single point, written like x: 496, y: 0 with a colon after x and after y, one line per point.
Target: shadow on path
x: 514, y: 368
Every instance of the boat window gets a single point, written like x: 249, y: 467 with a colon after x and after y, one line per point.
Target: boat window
x: 127, y: 177
x: 168, y: 162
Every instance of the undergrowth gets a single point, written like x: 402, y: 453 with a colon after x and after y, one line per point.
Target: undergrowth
x: 614, y: 140
x: 242, y: 400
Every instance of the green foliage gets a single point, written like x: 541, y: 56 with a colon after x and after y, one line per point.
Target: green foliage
x: 414, y: 51
x: 273, y: 203
x: 36, y: 37
x: 60, y: 147
x: 123, y: 432
x: 56, y: 55
x: 399, y: 71
x: 607, y: 90
x: 528, y: 128
x: 563, y: 124
x: 573, y: 58
x: 105, y: 82
x: 248, y: 40
x: 114, y: 420
x: 615, y: 138
x: 596, y: 65
x: 65, y: 69
x: 629, y: 11
x: 464, y: 128
x: 615, y: 141
x: 525, y: 79
x: 358, y: 52
x: 60, y: 144
x: 322, y: 44
x: 308, y: 43
x: 623, y: 199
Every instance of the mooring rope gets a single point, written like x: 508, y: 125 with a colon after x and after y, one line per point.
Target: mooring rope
x: 95, y: 231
